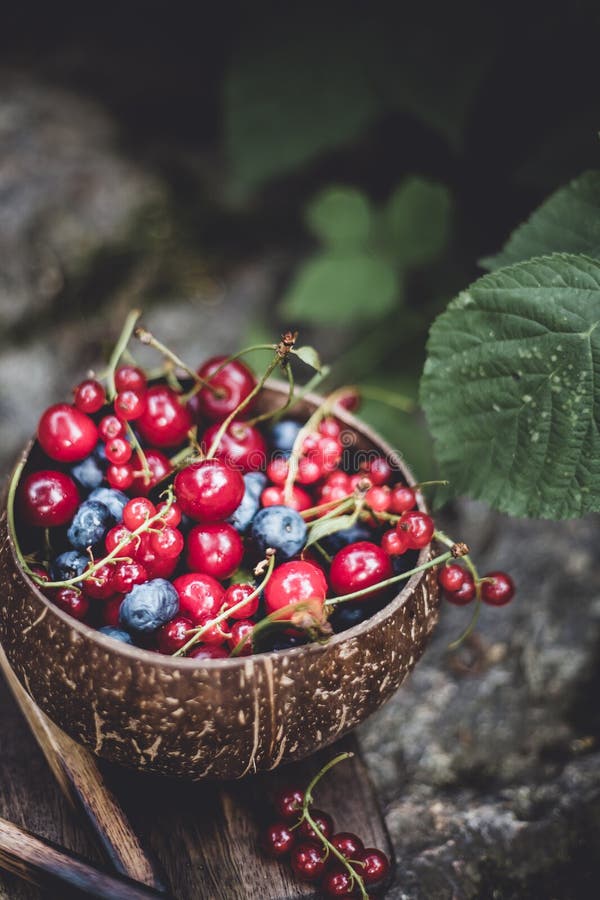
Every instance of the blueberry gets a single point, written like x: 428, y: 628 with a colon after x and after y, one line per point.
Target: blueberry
x: 115, y: 500
x: 149, y: 605
x: 346, y: 615
x: 243, y: 515
x: 279, y: 527
x: 281, y: 641
x: 403, y: 563
x: 100, y: 453
x: 69, y: 564
x: 339, y: 539
x: 117, y: 634
x: 283, y: 434
x: 90, y: 524
x: 88, y: 473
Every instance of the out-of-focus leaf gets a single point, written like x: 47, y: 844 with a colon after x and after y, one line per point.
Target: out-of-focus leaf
x: 309, y: 356
x: 340, y: 217
x: 324, y: 527
x: 417, y: 219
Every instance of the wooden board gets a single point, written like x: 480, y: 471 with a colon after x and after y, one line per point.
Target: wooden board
x: 201, y: 839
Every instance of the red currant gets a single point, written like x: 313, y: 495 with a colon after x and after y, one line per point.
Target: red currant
x: 100, y: 585
x: 157, y: 566
x: 375, y: 866
x: 337, y: 882
x: 72, y: 601
x: 118, y: 451
x: 129, y: 405
x: 350, y: 400
x: 379, y: 470
x: 359, y: 566
x: 278, y: 839
x: 465, y: 593
x: 277, y: 470
x: 239, y: 632
x: 288, y: 803
x: 378, y: 498
x: 328, y: 453
x: 349, y: 844
x: 200, y: 596
x: 89, y: 396
x: 120, y: 477
x: 228, y: 388
x: 309, y: 470
x: 159, y: 465
x: 208, y: 651
x: 394, y: 542
x: 174, y: 634
x: 499, y: 591
x: 115, y: 537
x: 48, y: 498
x: 165, y: 421
x: 66, y: 434
x: 308, y: 861
x: 402, y: 499
x: 130, y: 378
x: 172, y: 516
x: 451, y: 577
x: 418, y: 526
x: 209, y: 491
x: 127, y: 575
x: 323, y: 821
x: 242, y: 446
x: 274, y: 496
x: 167, y: 543
x: 330, y: 427
x: 138, y: 511
x: 110, y: 427
x: 234, y: 594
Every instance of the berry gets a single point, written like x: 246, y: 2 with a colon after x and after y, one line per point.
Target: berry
x: 174, y: 634
x: 288, y: 803
x: 100, y: 585
x: 308, y: 861
x: 242, y: 446
x: 110, y: 427
x: 118, y: 451
x: 330, y: 427
x: 334, y: 542
x: 69, y: 565
x: 156, y: 566
x: 117, y: 634
x: 40, y: 572
x: 239, y: 632
x: 234, y: 594
x: 209, y: 491
x: 359, y: 566
x: 228, y: 388
x: 200, y: 596
x: 499, y: 591
x: 110, y: 611
x: 465, y: 593
x: 274, y: 496
x: 129, y: 405
x: 130, y: 378
x: 90, y: 525
x: 159, y: 465
x: 243, y: 515
x: 337, y: 882
x: 215, y: 549
x: 277, y: 470
x: 208, y: 651
x: 127, y: 575
x: 89, y: 396
x: 394, y: 542
x: 88, y: 473
x: 278, y: 527
x: 172, y: 515
x: 379, y: 470
x: 309, y: 470
x: 165, y: 421
x: 115, y: 500
x: 419, y: 528
x: 402, y: 499
x: 350, y: 400
x: 283, y: 434
x: 120, y: 477
x: 138, y: 511
x: 66, y: 434
x: 167, y: 543
x: 347, y: 615
x: 72, y: 601
x: 375, y: 866
x: 378, y: 498
x: 293, y: 582
x: 349, y: 844
x: 451, y: 577
x: 149, y: 605
x: 48, y: 498
x: 323, y: 821
x: 278, y: 839
x: 115, y: 537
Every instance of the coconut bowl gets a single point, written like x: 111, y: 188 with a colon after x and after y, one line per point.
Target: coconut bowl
x: 218, y: 718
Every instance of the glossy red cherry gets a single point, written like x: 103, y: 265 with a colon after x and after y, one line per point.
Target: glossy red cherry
x: 120, y: 477
x: 240, y: 631
x: 89, y: 396
x: 375, y: 866
x: 129, y: 405
x: 359, y: 566
x: 337, y: 882
x: 274, y: 496
x: 402, y: 498
x: 419, y: 528
x: 208, y: 651
x: 118, y: 451
x: 230, y: 387
x: 288, y: 803
x: 48, y: 498
x: 159, y: 465
x: 72, y: 601
x: 323, y: 821
x: 157, y: 566
x: 236, y: 593
x: 242, y: 446
x: 138, y: 511
x: 100, y: 585
x: 394, y: 542
x: 349, y: 844
x: 308, y: 861
x: 278, y: 839
x: 110, y: 610
x: 293, y: 582
x: 127, y: 575
x: 167, y: 542
x: 499, y: 591
x: 130, y: 378
x: 209, y: 491
x: 66, y: 434
x: 200, y: 596
x: 451, y: 576
x: 165, y: 421
x: 173, y: 635
x: 465, y: 593
x: 110, y: 427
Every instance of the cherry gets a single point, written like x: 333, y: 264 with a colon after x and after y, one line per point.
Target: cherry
x: 293, y: 582
x: 159, y: 465
x: 209, y: 491
x: 167, y: 543
x: 278, y: 839
x: 379, y: 470
x: 499, y: 591
x: 242, y: 446
x: 350, y: 400
x: 89, y: 396
x: 200, y: 596
x: 234, y: 594
x: 419, y: 528
x: 118, y: 451
x: 378, y: 498
x: 110, y: 427
x: 239, y: 632
x: 402, y: 499
x: 208, y: 651
x: 358, y: 566
x: 230, y: 387
x: 66, y: 434
x: 129, y: 405
x: 394, y: 542
x: 323, y: 821
x: 48, y: 498
x: 100, y: 585
x: 273, y: 496
x: 156, y: 566
x: 130, y: 378
x: 165, y: 421
x: 127, y: 575
x: 308, y: 861
x: 72, y: 601
x: 465, y: 593
x: 349, y: 844
x: 451, y: 577
x: 375, y: 866
x: 288, y: 803
x: 40, y: 572
x: 111, y: 609
x: 173, y: 635
x: 138, y: 511
x: 120, y: 477
x: 337, y: 882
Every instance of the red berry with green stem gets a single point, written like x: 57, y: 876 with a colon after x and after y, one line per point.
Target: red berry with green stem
x: 130, y: 378
x: 157, y: 566
x: 72, y: 601
x: 358, y: 566
x: 100, y: 585
x: 235, y: 594
x: 451, y: 577
x: 465, y: 593
x: 116, y: 536
x: 322, y: 820
x: 171, y: 516
x: 379, y: 470
x: 228, y: 388
x: 349, y: 844
x: 127, y: 575
x: 129, y: 406
x: 309, y: 470
x: 394, y: 542
x: 66, y: 434
x: 329, y: 427
x: 308, y: 861
x: 200, y: 596
x: 498, y: 590
x: 418, y: 526
x: 110, y: 427
x: 118, y: 451
x: 274, y: 496
x: 242, y: 446
x: 159, y: 465
x: 294, y: 582
x: 89, y: 396
x: 241, y: 631
x: 167, y: 542
x: 402, y: 499
x: 288, y: 803
x: 47, y: 498
x: 338, y: 882
x: 174, y: 634
x: 209, y: 491
x: 378, y: 498
x: 120, y: 477
x: 278, y: 839
x: 375, y: 866
x: 137, y: 512
x: 165, y: 421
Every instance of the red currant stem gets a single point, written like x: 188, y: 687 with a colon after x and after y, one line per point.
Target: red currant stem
x: 145, y: 337
x: 310, y: 385
x: 10, y: 515
x: 437, y: 561
x: 140, y: 453
x: 241, y: 406
x: 47, y: 546
x: 323, y: 552
x: 231, y: 610
x: 172, y: 380
x: 306, y: 816
x: 390, y: 398
x: 278, y: 617
x: 240, y: 353
x: 444, y: 539
x: 110, y: 557
x: 330, y: 505
x: 288, y: 402
x: 119, y: 350
x: 422, y: 484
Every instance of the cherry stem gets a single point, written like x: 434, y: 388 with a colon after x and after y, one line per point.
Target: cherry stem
x: 324, y: 507
x: 146, y: 337
x: 444, y: 539
x: 310, y: 385
x: 331, y: 848
x: 140, y: 454
x: 288, y: 402
x: 437, y: 561
x: 119, y: 350
x: 227, y: 613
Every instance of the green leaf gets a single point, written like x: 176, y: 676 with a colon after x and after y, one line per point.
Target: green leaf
x: 309, y: 356
x: 417, y: 218
x: 340, y: 217
x: 333, y: 289
x: 324, y: 527
x: 568, y: 221
x: 511, y: 388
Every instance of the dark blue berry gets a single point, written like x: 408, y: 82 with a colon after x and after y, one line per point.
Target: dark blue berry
x: 278, y: 527
x: 255, y: 483
x: 88, y: 473
x: 403, y: 563
x: 149, y: 605
x: 346, y: 615
x: 114, y: 499
x: 100, y: 453
x: 334, y: 542
x: 68, y: 565
x: 283, y: 434
x: 117, y: 634
x: 241, y: 518
x: 90, y: 524
x: 281, y: 641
